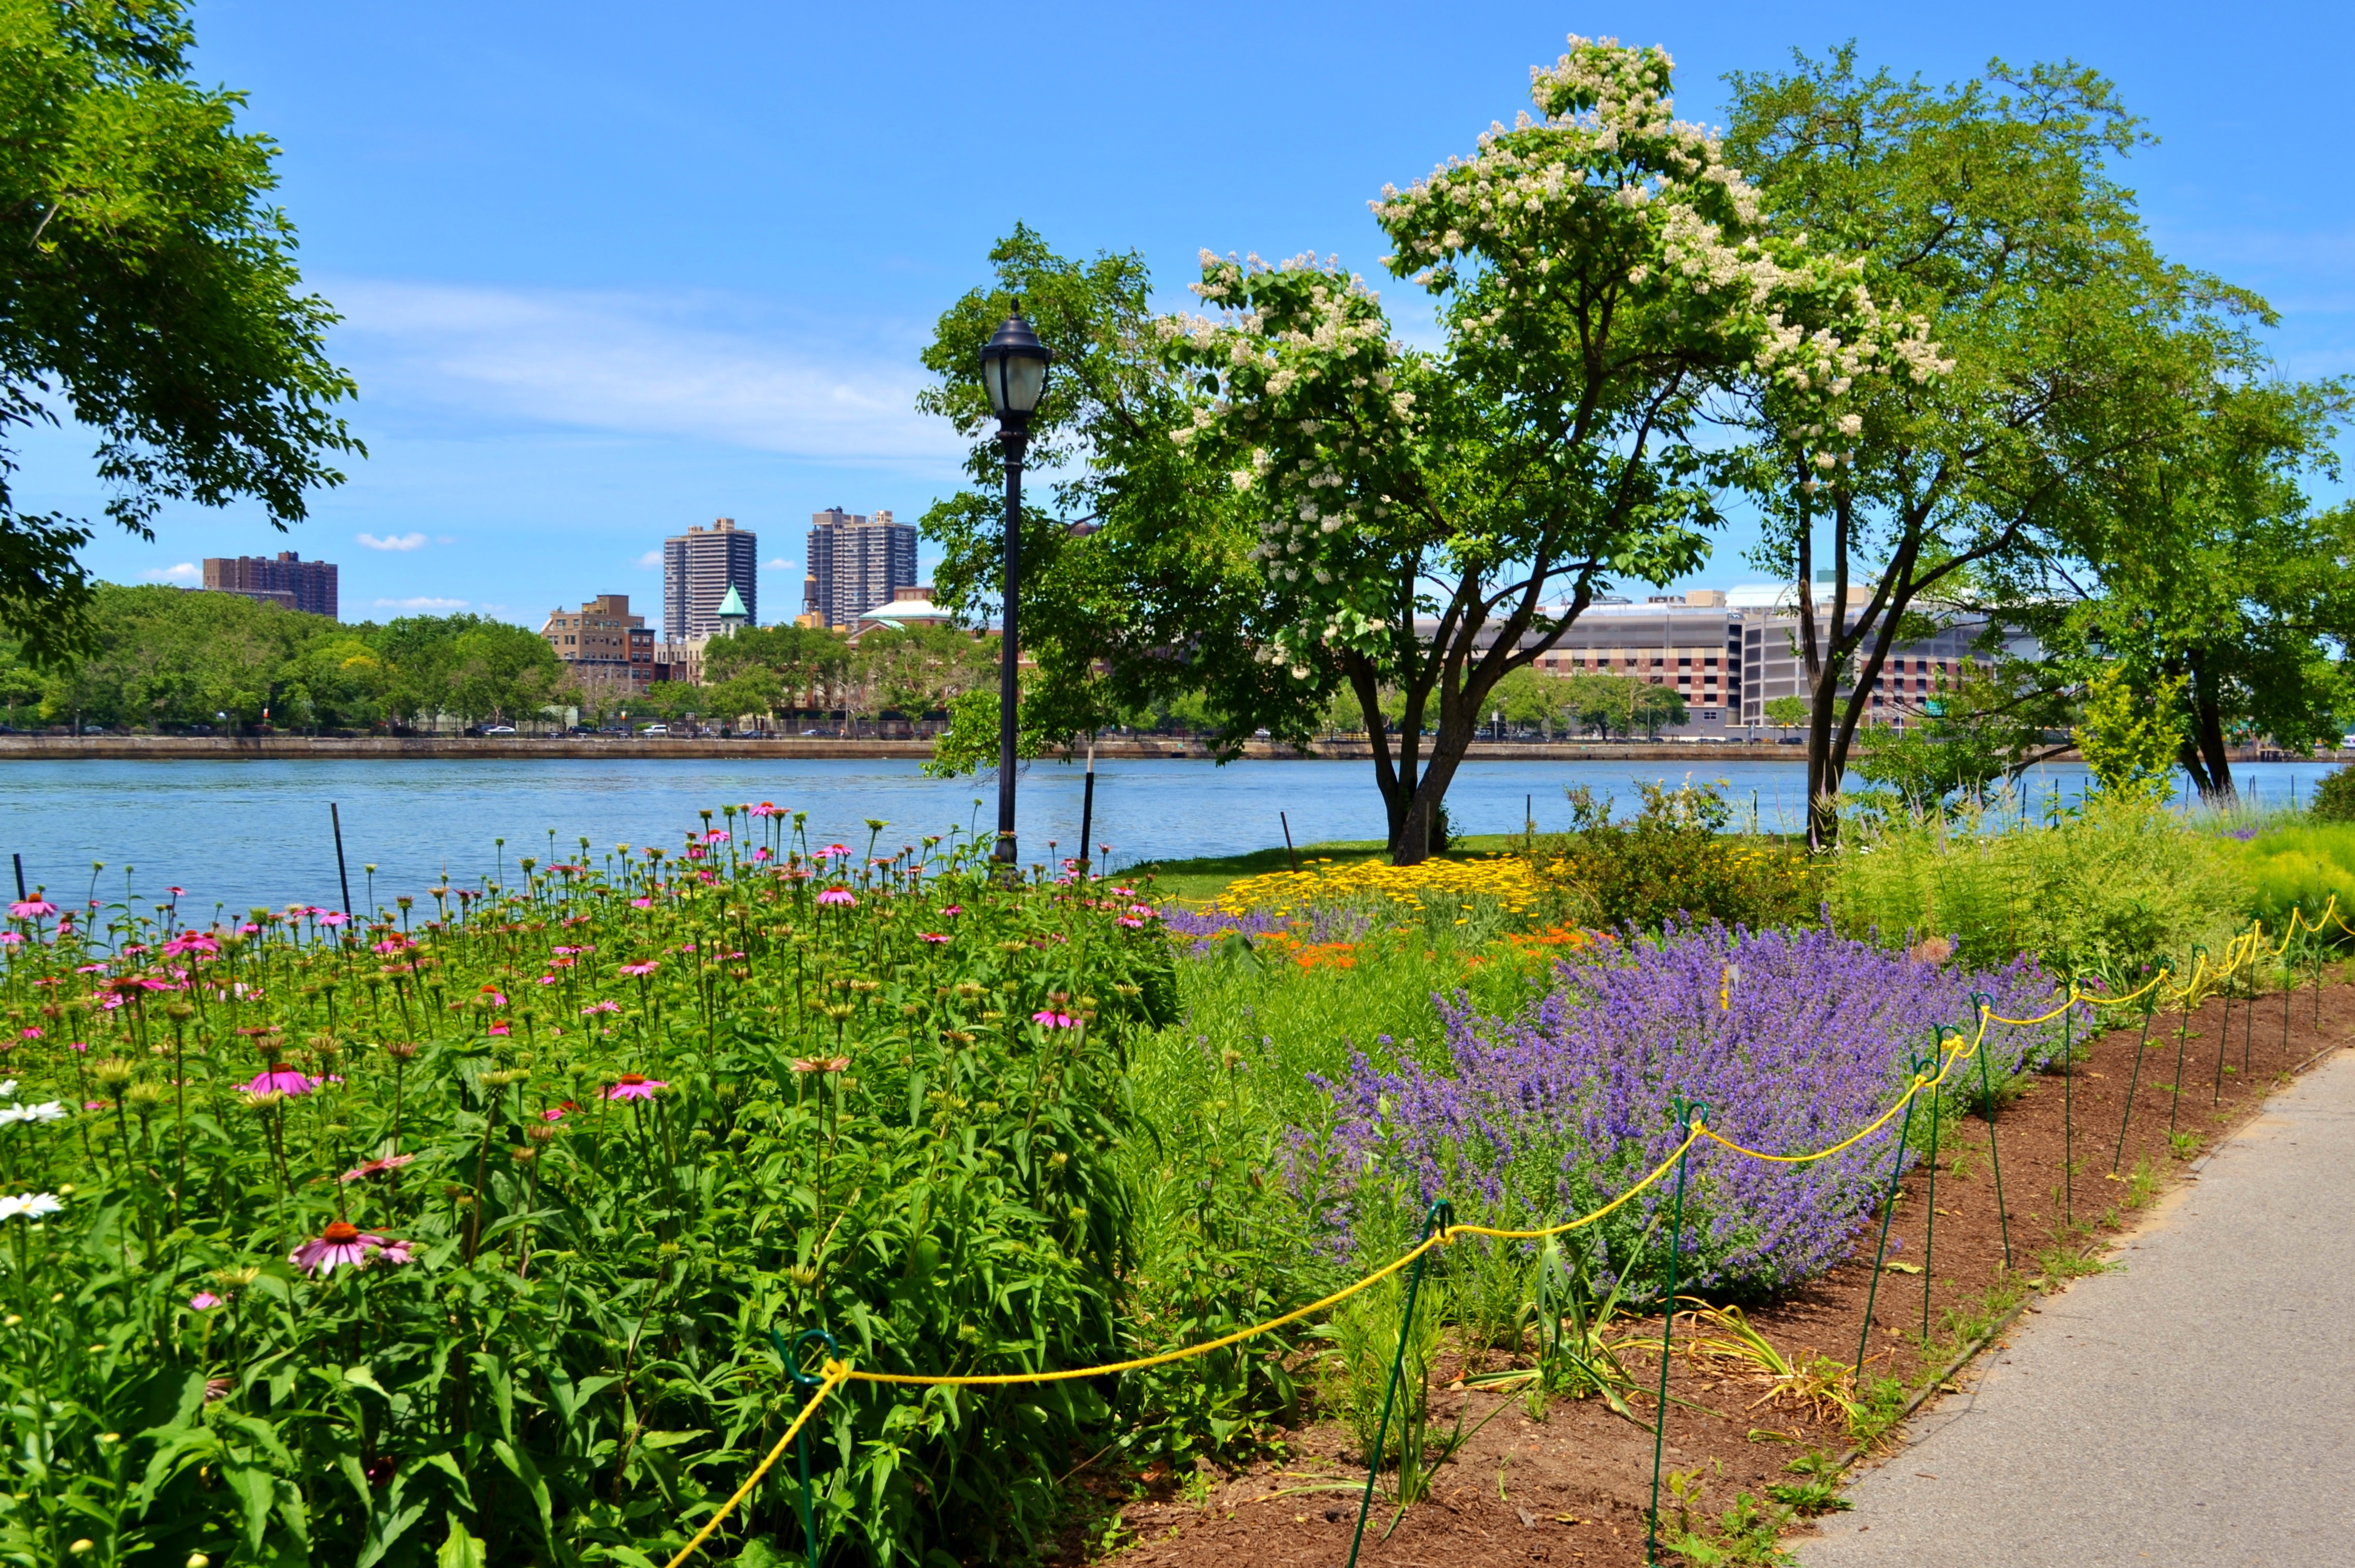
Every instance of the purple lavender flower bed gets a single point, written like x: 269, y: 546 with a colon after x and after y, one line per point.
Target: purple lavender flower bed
x: 1792, y: 1039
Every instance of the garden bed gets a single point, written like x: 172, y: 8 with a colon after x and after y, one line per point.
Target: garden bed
x: 1574, y: 1487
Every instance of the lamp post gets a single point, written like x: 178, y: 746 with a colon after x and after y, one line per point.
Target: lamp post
x: 1014, y: 369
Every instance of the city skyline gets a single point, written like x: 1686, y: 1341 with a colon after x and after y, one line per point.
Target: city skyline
x: 547, y: 401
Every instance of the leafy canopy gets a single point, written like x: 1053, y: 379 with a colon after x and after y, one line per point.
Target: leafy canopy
x: 148, y: 293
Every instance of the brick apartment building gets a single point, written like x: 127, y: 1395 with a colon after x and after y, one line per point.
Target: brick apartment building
x: 603, y: 643
x: 289, y: 581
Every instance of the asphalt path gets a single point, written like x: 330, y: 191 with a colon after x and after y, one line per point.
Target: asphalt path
x: 2196, y: 1406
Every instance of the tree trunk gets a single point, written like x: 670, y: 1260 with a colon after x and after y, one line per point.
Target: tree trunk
x: 2205, y: 756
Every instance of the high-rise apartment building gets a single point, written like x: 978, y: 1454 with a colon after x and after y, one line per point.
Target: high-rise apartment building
x: 700, y: 567
x: 289, y: 581
x: 602, y: 643
x: 856, y: 562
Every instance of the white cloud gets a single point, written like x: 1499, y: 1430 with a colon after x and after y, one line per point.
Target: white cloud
x: 713, y: 368
x: 653, y: 558
x: 398, y: 541
x: 187, y: 574
x: 782, y: 564
x: 422, y: 602
x: 445, y: 538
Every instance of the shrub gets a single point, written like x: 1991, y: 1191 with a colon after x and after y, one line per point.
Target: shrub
x: 2334, y: 797
x: 2109, y: 886
x: 1792, y: 1039
x: 1673, y: 861
x: 582, y: 1142
x: 2302, y: 867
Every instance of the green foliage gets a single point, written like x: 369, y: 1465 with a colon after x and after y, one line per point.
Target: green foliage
x: 832, y: 1122
x: 2334, y: 797
x: 164, y: 658
x: 2302, y: 867
x: 2129, y: 739
x: 1983, y: 727
x: 2114, y: 886
x: 1674, y: 860
x: 152, y: 296
x: 1788, y: 712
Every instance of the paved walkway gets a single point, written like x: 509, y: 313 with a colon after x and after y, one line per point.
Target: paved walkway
x: 2196, y: 1408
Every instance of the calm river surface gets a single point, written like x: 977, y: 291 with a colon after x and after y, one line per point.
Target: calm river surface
x: 246, y: 833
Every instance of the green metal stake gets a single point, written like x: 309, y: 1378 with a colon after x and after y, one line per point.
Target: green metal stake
x: 2183, y: 1034
x: 2317, y: 977
x: 1689, y: 1114
x: 2149, y: 1009
x: 793, y: 1359
x: 1986, y: 1006
x: 2069, y: 1103
x: 1930, y: 1203
x: 1435, y: 1222
x: 2289, y: 978
x: 2223, y: 1040
x: 1887, y: 1212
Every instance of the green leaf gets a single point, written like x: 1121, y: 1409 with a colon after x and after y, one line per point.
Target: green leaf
x: 519, y: 1464
x: 462, y: 1550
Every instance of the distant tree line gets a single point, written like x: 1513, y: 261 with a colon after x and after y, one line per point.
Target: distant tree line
x: 166, y: 659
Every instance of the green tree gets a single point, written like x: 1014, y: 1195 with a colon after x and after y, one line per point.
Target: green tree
x: 2128, y: 739
x: 1289, y: 502
x: 2208, y: 572
x: 149, y: 293
x: 1986, y: 213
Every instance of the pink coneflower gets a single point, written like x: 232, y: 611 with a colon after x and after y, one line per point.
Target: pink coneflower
x: 821, y: 1063
x: 282, y: 1081
x: 835, y: 850
x: 28, y: 1034
x: 640, y: 971
x: 715, y: 836
x: 195, y: 942
x: 760, y: 854
x: 1145, y: 911
x: 1130, y: 922
x: 930, y: 936
x: 635, y: 1086
x: 90, y: 969
x: 1053, y: 1019
x: 765, y: 809
x: 393, y: 943
x: 204, y: 1301
x: 600, y: 1008
x: 545, y: 980
x: 836, y: 896
x: 248, y: 929
x: 1122, y: 893
x: 11, y: 937
x: 31, y: 908
x: 376, y: 1167
x: 94, y: 1104
x: 500, y: 1028
x: 556, y: 1113
x: 342, y: 1244
x: 334, y: 917
x: 954, y: 911
x: 642, y: 903
x: 498, y: 999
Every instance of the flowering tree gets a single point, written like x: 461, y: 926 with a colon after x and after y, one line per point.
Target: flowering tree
x: 1431, y: 522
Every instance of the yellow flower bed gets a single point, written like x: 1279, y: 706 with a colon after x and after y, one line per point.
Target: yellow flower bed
x: 1325, y: 881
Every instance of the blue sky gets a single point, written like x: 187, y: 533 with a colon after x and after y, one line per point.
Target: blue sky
x: 611, y: 271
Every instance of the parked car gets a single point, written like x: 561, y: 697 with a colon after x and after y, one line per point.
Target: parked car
x: 656, y: 730
x: 499, y: 729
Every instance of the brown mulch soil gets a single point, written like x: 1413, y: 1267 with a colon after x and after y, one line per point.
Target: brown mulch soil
x: 1574, y: 1487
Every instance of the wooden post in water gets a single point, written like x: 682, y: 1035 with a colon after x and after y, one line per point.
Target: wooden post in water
x: 342, y: 874
x: 1087, y: 811
x: 1288, y: 849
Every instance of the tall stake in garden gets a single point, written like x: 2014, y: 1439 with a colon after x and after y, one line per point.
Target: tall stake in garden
x: 1986, y: 1006
x: 1924, y: 1073
x: 1014, y: 370
x: 1692, y: 1116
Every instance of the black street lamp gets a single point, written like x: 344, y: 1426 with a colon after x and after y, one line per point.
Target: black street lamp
x: 1014, y: 368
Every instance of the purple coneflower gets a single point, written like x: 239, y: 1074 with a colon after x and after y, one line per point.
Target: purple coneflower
x: 930, y: 936
x: 374, y: 1167
x: 282, y: 1081
x: 31, y: 908
x: 836, y: 896
x: 641, y: 970
x: 343, y: 1242
x: 821, y: 1063
x: 635, y: 1086
x: 1053, y: 1019
x: 204, y: 1301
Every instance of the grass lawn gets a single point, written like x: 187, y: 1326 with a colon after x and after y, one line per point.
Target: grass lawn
x: 1205, y: 875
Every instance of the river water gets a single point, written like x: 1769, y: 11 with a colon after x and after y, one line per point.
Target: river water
x: 240, y: 833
